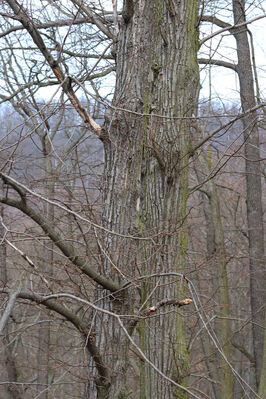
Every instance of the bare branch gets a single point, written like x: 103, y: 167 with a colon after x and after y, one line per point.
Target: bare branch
x: 65, y: 81
x: 16, y: 187
x: 167, y: 302
x: 26, y: 86
x: 29, y: 261
x: 209, y: 61
x: 215, y: 21
x: 244, y: 351
x: 153, y: 309
x: 72, y: 318
x: 66, y: 249
x: 97, y: 19
x: 87, y: 55
x: 118, y: 318
x: 59, y: 23
x: 9, y: 307
x: 231, y: 27
x: 201, y: 313
x: 213, y: 132
x: 22, y: 186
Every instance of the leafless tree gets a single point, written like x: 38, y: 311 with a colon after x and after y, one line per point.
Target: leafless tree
x: 115, y: 269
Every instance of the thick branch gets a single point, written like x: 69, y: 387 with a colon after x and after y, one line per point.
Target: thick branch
x: 66, y: 83
x: 209, y: 61
x: 66, y: 249
x: 53, y: 83
x: 9, y: 307
x: 21, y: 192
x: 124, y: 329
x: 167, y: 302
x: 76, y: 321
x: 55, y: 24
x: 65, y: 209
x: 244, y: 351
x: 153, y: 309
x: 231, y: 27
x: 215, y: 21
x: 97, y: 20
x: 87, y: 55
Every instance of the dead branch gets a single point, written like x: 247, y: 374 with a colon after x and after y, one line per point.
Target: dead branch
x: 167, y: 302
x: 65, y: 81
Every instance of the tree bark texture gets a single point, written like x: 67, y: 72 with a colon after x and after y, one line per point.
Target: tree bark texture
x: 146, y: 184
x: 253, y: 187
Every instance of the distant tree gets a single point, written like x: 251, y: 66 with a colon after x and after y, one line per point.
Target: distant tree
x: 115, y: 269
x: 253, y: 188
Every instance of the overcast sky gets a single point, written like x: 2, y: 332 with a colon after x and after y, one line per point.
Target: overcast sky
x: 217, y: 82
x: 223, y: 82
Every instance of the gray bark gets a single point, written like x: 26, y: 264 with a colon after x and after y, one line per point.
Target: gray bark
x: 253, y: 186
x: 146, y: 182
x: 217, y: 255
x: 146, y: 188
x: 47, y: 268
x: 11, y: 391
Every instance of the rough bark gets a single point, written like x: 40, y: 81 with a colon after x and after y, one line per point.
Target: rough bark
x: 146, y: 185
x: 253, y: 186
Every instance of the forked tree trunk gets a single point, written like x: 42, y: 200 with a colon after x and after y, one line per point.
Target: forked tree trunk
x: 146, y: 185
x: 253, y: 187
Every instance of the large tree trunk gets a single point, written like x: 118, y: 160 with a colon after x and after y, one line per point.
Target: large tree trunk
x: 146, y: 181
x: 253, y: 187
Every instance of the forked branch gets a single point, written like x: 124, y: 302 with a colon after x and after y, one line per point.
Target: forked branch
x: 66, y: 248
x: 65, y: 81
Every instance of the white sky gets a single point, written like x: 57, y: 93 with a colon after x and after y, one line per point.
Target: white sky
x: 223, y: 82
x: 217, y: 82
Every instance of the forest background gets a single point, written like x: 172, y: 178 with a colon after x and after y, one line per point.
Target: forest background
x: 132, y: 245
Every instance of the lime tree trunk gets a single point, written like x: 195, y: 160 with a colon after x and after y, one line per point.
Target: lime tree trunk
x: 146, y: 142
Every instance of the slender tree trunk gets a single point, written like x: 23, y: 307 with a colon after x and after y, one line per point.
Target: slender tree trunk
x: 262, y: 386
x: 253, y: 187
x: 11, y: 391
x: 217, y: 252
x: 146, y: 183
x: 47, y: 268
